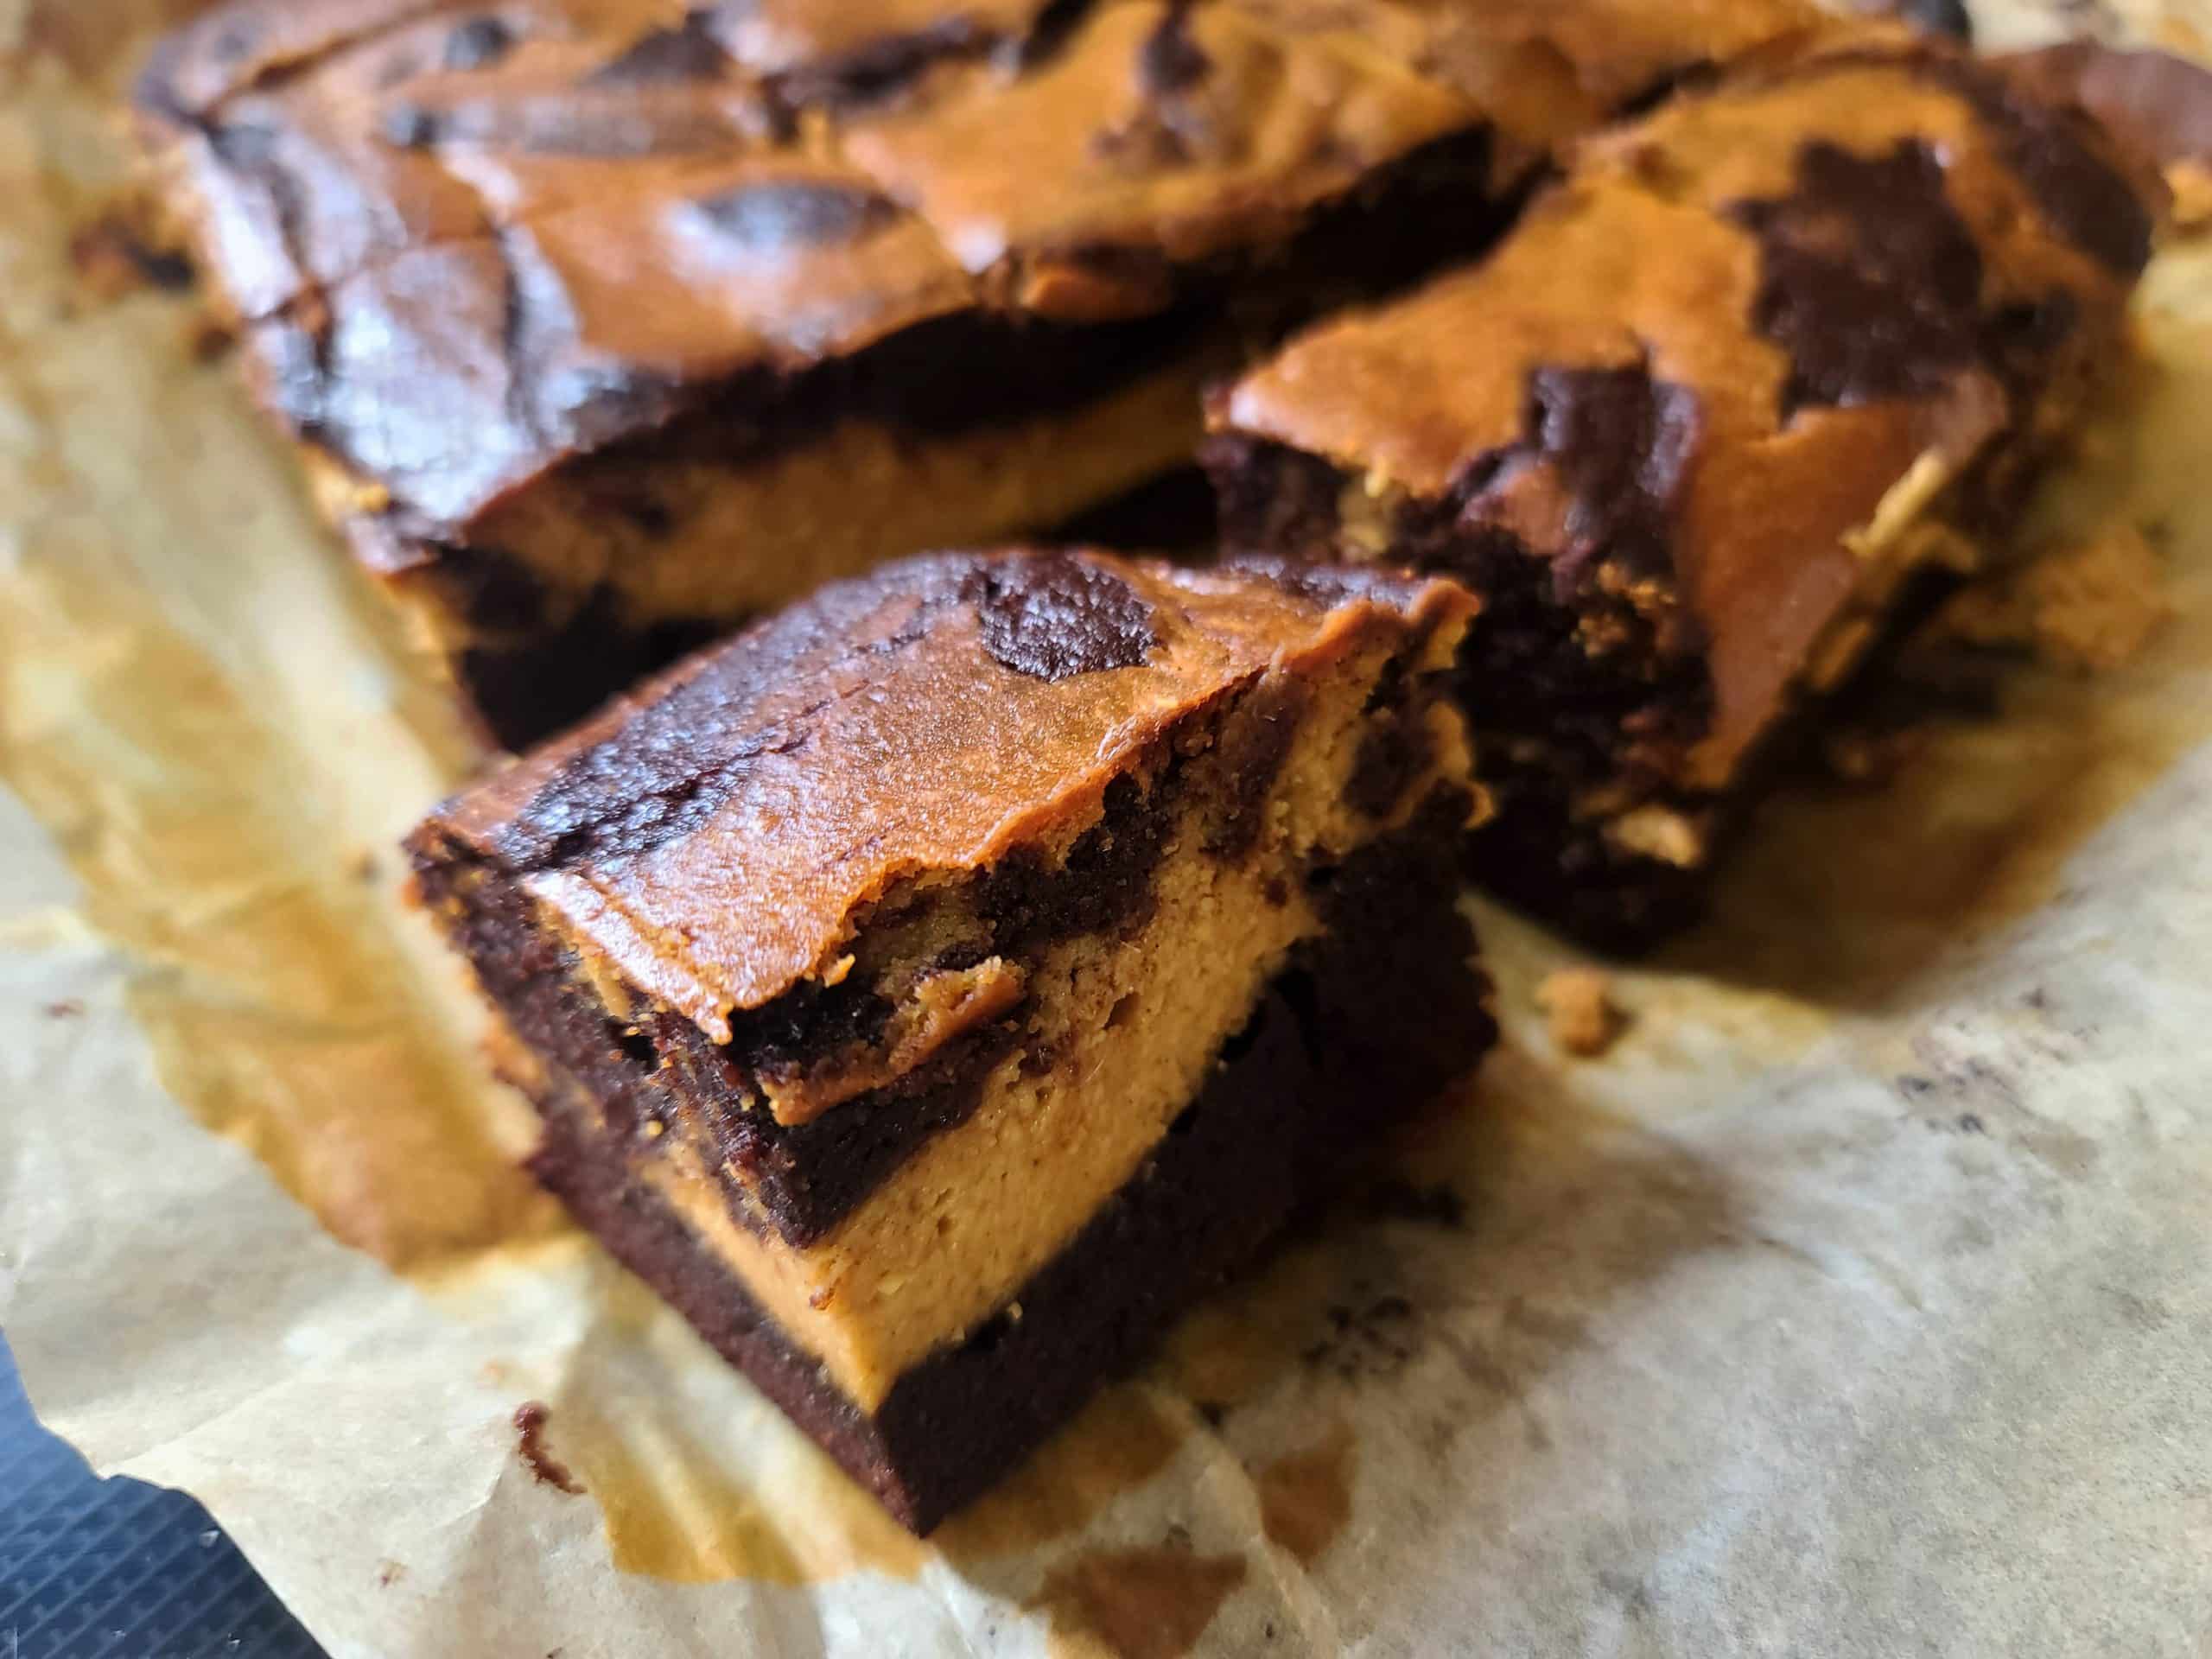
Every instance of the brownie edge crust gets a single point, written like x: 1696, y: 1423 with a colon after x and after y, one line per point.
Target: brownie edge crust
x: 934, y: 989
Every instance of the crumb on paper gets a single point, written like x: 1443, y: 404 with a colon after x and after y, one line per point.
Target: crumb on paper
x: 1578, y: 1003
x: 2090, y: 607
x: 530, y: 1418
x: 2189, y: 181
x: 390, y: 1572
x: 67, y: 1008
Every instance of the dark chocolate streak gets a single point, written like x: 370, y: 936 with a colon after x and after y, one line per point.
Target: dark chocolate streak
x: 1170, y: 61
x: 225, y: 41
x: 1551, y: 721
x: 678, y: 758
x: 2090, y: 201
x: 962, y: 373
x: 478, y: 43
x: 1869, y: 278
x: 811, y: 1175
x: 1618, y: 441
x: 1528, y: 686
x: 1254, y: 742
x: 1947, y: 17
x: 2156, y: 105
x: 557, y: 677
x: 1372, y: 1020
x: 1053, y: 617
x: 1621, y: 443
x: 687, y: 51
x: 881, y: 68
x: 1398, y: 747
x: 410, y: 126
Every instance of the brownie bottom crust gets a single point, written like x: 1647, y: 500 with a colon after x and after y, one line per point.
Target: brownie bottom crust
x: 1371, y: 1020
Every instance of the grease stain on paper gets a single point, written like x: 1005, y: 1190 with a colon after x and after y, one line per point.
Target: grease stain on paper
x: 1136, y: 1604
x: 1305, y: 1498
x: 279, y: 1010
x: 185, y: 704
x: 1117, y: 1444
x: 674, y: 1510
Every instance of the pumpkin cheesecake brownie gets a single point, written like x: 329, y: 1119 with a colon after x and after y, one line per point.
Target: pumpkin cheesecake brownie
x: 934, y: 989
x: 605, y: 324
x: 1698, y: 429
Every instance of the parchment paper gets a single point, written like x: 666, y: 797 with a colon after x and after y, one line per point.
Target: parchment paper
x: 1858, y: 1301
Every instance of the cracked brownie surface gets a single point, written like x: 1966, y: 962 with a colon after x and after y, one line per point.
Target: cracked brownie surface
x: 888, y: 964
x: 607, y: 323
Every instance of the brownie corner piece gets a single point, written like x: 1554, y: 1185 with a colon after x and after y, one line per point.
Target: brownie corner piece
x: 934, y: 989
x: 1761, y: 370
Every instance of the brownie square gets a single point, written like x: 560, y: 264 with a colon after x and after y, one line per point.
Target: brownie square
x: 603, y: 326
x: 1765, y: 367
x: 933, y: 989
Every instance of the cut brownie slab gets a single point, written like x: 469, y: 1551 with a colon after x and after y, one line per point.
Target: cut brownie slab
x: 932, y: 989
x: 606, y: 323
x: 1693, y: 429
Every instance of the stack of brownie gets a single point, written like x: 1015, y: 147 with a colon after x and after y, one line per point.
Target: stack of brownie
x: 935, y: 987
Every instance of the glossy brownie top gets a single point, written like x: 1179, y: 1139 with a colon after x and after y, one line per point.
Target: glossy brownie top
x: 471, y: 237
x: 1701, y: 363
x: 719, y: 835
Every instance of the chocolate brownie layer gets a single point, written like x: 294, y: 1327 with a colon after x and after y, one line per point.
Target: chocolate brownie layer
x: 1762, y: 364
x: 1336, y: 1052
x: 888, y: 940
x: 605, y: 322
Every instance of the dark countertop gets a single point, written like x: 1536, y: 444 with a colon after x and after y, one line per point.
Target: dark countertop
x: 117, y: 1569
